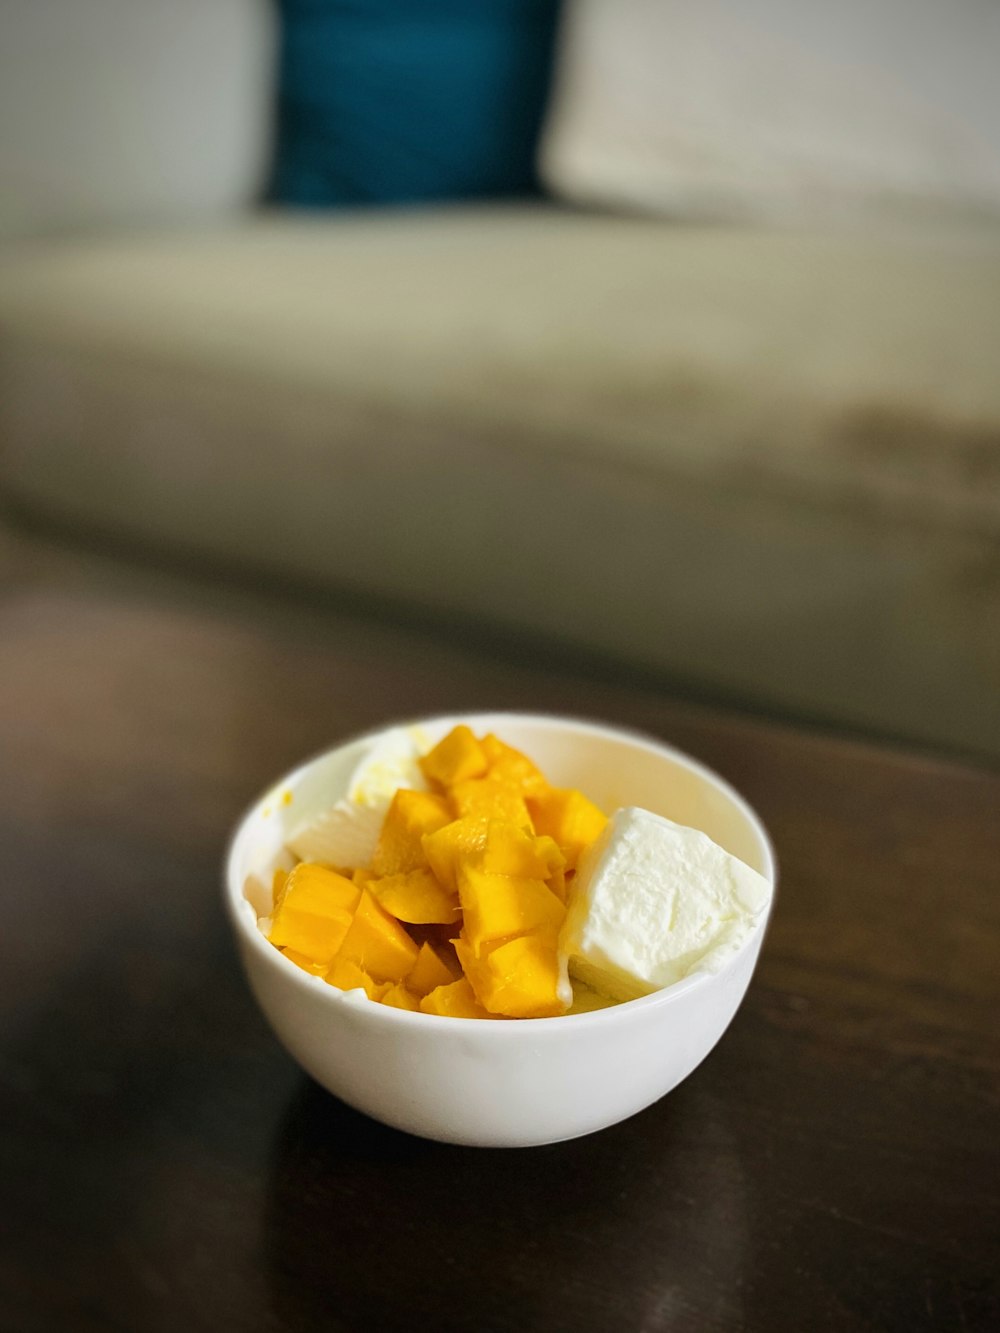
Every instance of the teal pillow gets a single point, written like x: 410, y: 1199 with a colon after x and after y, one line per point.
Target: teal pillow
x: 406, y: 101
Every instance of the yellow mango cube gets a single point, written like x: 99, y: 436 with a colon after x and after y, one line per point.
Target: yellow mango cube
x: 451, y: 844
x: 495, y: 906
x: 567, y: 816
x: 519, y: 978
x: 400, y: 997
x: 557, y: 883
x: 456, y: 1000
x: 490, y: 798
x: 314, y: 912
x: 457, y: 757
x: 278, y: 881
x: 416, y: 897
x: 429, y: 971
x: 509, y: 850
x: 511, y: 766
x: 377, y: 943
x: 307, y: 964
x: 411, y: 814
x: 490, y: 844
x: 346, y: 975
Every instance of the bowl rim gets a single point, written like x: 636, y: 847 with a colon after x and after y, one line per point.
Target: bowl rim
x: 621, y: 1012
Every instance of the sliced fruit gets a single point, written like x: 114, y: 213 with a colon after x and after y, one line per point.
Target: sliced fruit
x: 567, y: 816
x: 496, y: 906
x: 430, y: 971
x: 411, y: 814
x: 457, y: 757
x: 377, y: 943
x: 401, y: 997
x: 314, y: 912
x: 457, y: 1000
x: 416, y: 897
x: 518, y: 978
x: 512, y: 766
x: 346, y: 975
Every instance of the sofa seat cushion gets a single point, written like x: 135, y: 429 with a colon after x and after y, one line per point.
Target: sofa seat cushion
x: 766, y: 462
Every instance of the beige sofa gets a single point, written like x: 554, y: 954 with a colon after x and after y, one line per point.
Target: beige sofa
x: 763, y: 462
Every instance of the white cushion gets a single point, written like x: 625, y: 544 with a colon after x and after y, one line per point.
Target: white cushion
x: 781, y: 110
x: 131, y: 111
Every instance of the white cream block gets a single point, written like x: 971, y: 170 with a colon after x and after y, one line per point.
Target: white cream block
x: 654, y: 901
x: 346, y: 834
x: 391, y: 763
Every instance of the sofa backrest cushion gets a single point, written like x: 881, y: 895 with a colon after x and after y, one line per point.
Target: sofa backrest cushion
x: 129, y: 112
x: 778, y: 110
x: 405, y: 101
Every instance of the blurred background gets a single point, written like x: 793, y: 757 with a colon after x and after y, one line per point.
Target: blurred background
x: 655, y: 336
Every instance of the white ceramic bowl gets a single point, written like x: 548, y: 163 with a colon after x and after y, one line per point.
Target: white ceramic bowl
x: 508, y: 1084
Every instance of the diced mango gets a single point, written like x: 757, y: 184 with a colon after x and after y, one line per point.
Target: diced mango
x: 314, y: 912
x: 566, y: 815
x: 307, y: 964
x: 457, y: 757
x: 487, y: 854
x: 451, y: 844
x: 490, y: 798
x: 509, y: 850
x: 346, y: 975
x: 512, y: 766
x: 416, y: 897
x: 557, y: 883
x: 377, y: 943
x: 411, y: 814
x: 278, y: 884
x: 495, y: 906
x: 430, y: 971
x: 400, y: 997
x: 492, y: 845
x: 457, y: 1000
x: 519, y: 978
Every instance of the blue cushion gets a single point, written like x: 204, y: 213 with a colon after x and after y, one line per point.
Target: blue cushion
x: 403, y: 101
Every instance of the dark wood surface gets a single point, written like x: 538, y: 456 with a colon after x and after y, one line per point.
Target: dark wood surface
x: 835, y: 1164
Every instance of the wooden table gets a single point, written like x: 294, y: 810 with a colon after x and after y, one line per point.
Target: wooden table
x: 164, y: 1165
